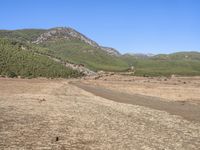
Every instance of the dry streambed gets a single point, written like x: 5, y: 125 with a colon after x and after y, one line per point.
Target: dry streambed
x: 187, y: 110
x: 52, y: 114
x: 183, y: 89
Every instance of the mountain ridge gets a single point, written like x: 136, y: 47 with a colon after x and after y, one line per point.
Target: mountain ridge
x: 57, y: 32
x: 69, y: 45
x: 78, y: 52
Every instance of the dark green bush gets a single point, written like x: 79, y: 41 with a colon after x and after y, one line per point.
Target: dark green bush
x: 11, y: 74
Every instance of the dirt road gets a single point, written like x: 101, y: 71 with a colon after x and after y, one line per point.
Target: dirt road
x: 186, y: 110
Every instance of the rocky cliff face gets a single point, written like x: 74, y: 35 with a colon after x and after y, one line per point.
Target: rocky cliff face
x: 71, y: 34
x: 111, y: 51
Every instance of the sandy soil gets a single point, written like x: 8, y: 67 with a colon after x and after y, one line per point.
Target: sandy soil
x: 53, y: 114
x: 171, y: 89
x: 185, y: 109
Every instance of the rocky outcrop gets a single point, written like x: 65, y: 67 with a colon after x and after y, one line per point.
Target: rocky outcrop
x: 78, y: 67
x: 71, y: 34
x: 81, y: 68
x: 111, y: 51
x: 65, y: 33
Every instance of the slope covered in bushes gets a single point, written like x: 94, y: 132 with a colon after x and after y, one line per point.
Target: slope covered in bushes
x: 17, y: 59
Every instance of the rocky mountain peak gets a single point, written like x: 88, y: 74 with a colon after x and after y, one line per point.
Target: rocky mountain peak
x: 70, y: 34
x: 64, y: 33
x: 111, y: 51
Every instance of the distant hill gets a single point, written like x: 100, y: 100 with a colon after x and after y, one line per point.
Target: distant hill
x: 70, y: 45
x: 25, y: 35
x: 179, y: 56
x: 62, y: 45
x: 17, y: 59
x: 138, y: 55
x: 181, y: 63
x: 38, y: 36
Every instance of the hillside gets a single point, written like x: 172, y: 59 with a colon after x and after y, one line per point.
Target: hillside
x: 68, y: 44
x: 38, y: 36
x: 81, y: 53
x: 179, y: 56
x: 182, y: 63
x: 25, y: 35
x: 17, y: 59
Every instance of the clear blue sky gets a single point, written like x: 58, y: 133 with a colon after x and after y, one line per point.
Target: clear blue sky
x: 146, y: 26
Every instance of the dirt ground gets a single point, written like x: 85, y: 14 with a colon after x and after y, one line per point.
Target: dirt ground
x: 185, y: 109
x: 43, y: 114
x: 171, y: 89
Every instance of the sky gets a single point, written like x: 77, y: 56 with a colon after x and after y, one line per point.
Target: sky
x: 135, y: 26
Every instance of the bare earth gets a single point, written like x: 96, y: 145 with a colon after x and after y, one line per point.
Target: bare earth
x: 171, y: 89
x: 53, y: 114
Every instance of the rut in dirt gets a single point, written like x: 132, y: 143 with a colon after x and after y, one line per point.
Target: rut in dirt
x: 186, y: 110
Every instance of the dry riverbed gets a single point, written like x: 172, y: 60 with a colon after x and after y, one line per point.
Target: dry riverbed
x: 53, y: 114
x: 183, y: 89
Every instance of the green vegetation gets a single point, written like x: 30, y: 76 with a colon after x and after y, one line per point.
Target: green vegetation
x: 21, y: 35
x: 71, y: 50
x: 21, y: 58
x: 17, y: 59
x: 179, y: 56
x: 159, y: 66
x: 81, y: 53
x: 167, y: 68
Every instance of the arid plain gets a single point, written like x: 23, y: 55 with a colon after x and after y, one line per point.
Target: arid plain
x: 110, y: 112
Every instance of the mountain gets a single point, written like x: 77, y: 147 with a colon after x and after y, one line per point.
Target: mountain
x: 139, y: 55
x: 179, y: 56
x: 18, y: 59
x: 38, y: 36
x: 63, y: 33
x: 70, y: 53
x: 71, y: 34
x: 181, y: 63
x: 25, y: 35
x: 111, y: 51
x: 68, y: 45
